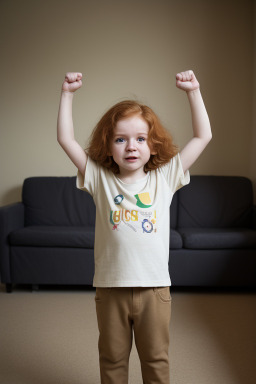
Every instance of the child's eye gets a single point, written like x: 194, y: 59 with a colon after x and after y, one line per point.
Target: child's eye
x: 120, y: 138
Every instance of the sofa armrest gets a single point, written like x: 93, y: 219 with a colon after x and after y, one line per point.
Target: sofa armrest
x: 254, y: 217
x: 11, y: 218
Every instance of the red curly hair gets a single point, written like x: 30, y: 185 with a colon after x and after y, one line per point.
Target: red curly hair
x: 159, y: 139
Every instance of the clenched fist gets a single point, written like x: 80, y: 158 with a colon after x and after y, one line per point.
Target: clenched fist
x: 73, y: 81
x: 187, y: 81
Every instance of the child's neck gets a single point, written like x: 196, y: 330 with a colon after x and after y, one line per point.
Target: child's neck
x: 131, y: 178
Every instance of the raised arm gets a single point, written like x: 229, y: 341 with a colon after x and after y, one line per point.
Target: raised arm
x: 200, y: 120
x: 65, y: 129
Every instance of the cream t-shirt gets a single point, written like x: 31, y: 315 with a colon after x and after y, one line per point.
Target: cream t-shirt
x: 132, y: 231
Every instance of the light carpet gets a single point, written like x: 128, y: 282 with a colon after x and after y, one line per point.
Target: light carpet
x: 50, y: 336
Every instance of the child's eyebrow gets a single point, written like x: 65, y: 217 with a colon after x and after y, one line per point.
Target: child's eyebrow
x: 123, y: 134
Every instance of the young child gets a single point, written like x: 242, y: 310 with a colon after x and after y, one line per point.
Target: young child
x: 132, y: 169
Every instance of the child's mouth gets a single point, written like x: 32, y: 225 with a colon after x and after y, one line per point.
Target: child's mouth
x: 131, y: 159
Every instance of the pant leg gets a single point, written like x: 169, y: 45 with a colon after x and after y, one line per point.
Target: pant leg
x: 115, y: 333
x: 151, y: 316
x: 147, y: 311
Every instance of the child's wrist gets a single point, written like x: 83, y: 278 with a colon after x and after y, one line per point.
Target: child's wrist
x: 193, y: 91
x: 69, y: 93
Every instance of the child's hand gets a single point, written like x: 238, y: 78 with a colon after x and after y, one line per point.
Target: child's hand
x: 187, y: 81
x: 72, y: 81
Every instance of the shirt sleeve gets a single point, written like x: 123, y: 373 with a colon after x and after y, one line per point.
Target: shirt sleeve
x: 89, y: 181
x: 174, y: 175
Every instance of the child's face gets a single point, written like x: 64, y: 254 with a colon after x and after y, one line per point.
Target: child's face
x: 130, y: 139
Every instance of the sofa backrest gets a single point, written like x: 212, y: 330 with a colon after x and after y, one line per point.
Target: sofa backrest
x: 216, y: 201
x: 174, y: 210
x: 57, y: 201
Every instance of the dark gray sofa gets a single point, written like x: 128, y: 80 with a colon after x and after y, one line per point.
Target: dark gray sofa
x: 48, y: 238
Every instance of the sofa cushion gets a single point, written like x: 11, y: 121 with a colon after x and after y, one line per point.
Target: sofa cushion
x: 218, y: 238
x: 53, y: 236
x: 216, y: 202
x: 57, y: 201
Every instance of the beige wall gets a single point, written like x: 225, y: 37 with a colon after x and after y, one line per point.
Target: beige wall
x: 124, y: 49
x: 253, y: 146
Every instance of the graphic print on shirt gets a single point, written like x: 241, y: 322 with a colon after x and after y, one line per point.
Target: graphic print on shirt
x: 118, y: 199
x: 136, y: 220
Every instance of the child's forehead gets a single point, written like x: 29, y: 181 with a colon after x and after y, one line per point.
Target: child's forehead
x: 135, y: 122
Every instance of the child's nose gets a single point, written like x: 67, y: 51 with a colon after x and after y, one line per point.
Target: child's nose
x: 131, y: 144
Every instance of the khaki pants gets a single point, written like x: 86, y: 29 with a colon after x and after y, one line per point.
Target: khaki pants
x: 147, y: 312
